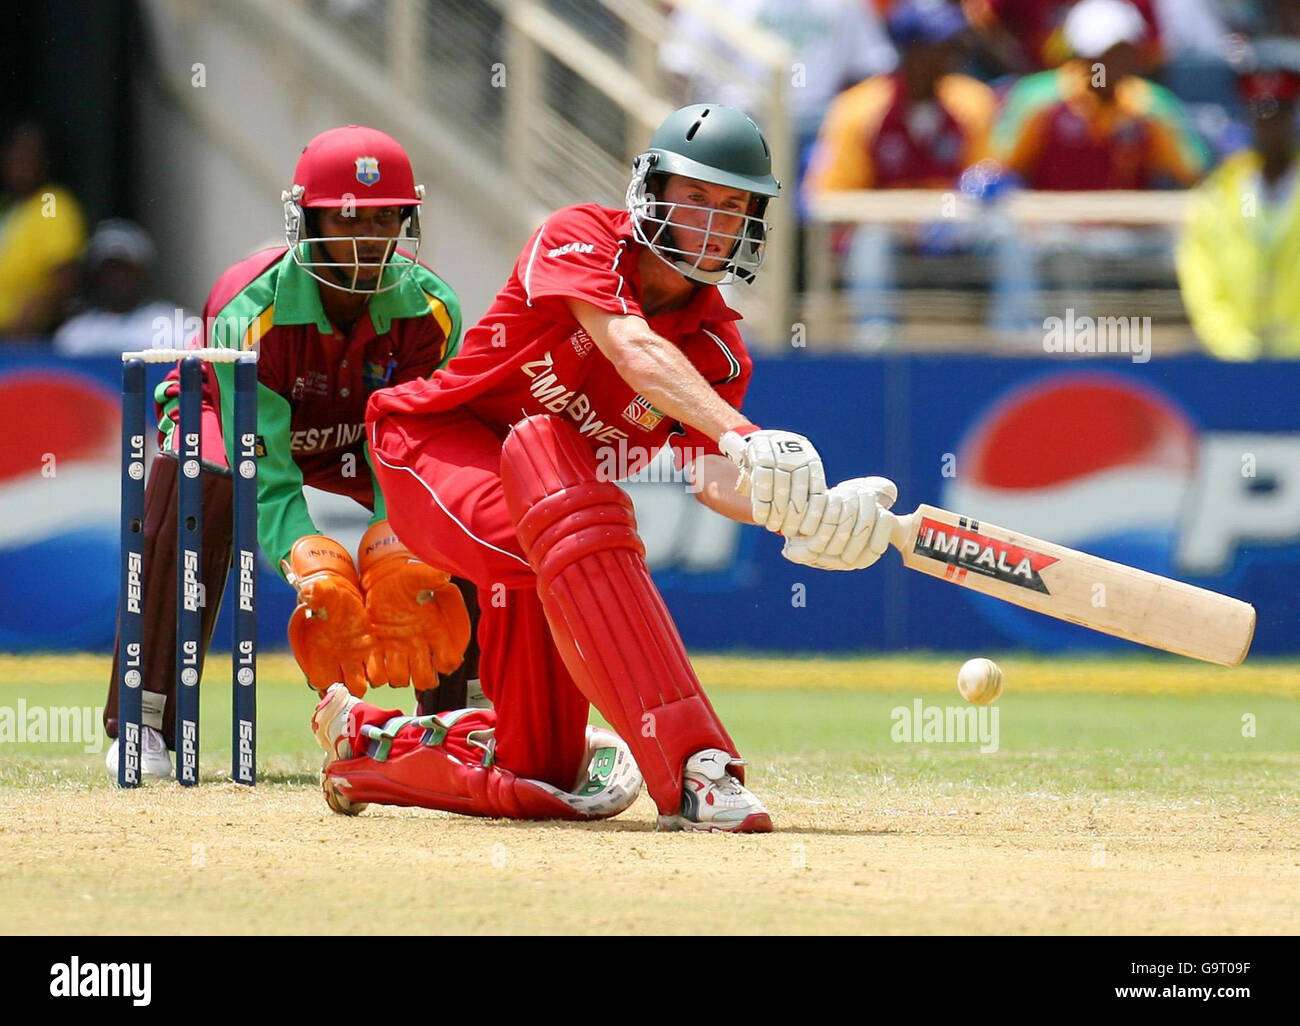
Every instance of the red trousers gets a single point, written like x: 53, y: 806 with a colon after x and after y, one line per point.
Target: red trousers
x: 441, y: 478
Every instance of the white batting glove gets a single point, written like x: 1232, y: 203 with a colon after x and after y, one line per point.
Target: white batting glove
x: 781, y: 473
x: 847, y: 532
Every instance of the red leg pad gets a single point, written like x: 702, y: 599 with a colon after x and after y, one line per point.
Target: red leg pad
x: 448, y: 776
x: 607, y: 618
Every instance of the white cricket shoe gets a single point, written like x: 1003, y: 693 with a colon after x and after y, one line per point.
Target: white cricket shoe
x: 714, y: 801
x: 155, y: 760
x: 330, y: 725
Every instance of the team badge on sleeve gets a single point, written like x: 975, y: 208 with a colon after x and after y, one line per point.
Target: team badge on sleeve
x: 642, y: 414
x: 367, y: 170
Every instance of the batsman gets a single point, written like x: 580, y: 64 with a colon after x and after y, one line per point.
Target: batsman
x: 609, y: 341
x: 342, y: 309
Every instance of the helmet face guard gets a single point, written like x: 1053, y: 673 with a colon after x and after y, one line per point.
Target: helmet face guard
x: 722, y: 146
x: 309, y: 251
x: 652, y: 225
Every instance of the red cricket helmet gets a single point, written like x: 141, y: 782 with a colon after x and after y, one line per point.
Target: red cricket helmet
x: 352, y: 167
x: 357, y: 164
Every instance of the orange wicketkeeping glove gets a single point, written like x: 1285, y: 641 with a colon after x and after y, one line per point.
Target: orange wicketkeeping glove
x: 329, y: 630
x: 417, y: 615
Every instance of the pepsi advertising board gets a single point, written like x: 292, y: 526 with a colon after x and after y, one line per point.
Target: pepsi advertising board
x: 1186, y: 467
x: 60, y: 495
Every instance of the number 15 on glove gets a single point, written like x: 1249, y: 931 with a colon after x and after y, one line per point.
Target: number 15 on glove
x: 780, y: 471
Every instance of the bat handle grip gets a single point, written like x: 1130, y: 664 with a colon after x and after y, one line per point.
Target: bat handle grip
x: 899, y: 527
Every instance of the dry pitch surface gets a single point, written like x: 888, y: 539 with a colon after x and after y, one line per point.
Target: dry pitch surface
x: 1123, y: 798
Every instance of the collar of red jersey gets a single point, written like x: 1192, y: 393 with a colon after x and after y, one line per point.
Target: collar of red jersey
x: 706, y: 305
x: 297, y: 299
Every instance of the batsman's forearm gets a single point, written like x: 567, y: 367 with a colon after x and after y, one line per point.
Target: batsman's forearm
x: 660, y: 372
x: 714, y: 481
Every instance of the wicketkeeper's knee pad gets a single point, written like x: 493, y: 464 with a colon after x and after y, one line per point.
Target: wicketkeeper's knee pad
x: 606, y: 616
x: 445, y: 762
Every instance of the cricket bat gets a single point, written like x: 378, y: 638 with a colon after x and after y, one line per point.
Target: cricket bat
x: 1074, y: 586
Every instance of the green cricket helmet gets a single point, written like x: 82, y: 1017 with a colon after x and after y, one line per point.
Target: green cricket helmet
x: 715, y: 144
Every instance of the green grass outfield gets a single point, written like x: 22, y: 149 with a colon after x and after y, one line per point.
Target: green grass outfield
x: 1144, y: 727
x: 1126, y: 796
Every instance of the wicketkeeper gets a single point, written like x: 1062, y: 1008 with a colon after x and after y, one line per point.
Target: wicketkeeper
x: 609, y: 340
x: 335, y: 314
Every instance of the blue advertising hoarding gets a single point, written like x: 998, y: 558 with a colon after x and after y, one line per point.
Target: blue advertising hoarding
x: 1187, y: 467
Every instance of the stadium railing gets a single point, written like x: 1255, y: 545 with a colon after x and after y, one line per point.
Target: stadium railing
x: 586, y: 90
x: 930, y: 294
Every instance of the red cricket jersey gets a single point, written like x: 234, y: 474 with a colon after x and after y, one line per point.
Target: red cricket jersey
x: 528, y: 355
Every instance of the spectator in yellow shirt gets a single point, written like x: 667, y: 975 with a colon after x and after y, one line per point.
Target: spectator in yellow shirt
x: 1239, y: 256
x: 42, y: 231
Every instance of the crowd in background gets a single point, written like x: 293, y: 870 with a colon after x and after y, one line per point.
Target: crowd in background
x: 85, y: 294
x: 977, y: 96
x: 986, y: 96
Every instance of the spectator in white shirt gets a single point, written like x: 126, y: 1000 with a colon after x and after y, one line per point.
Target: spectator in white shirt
x: 117, y: 316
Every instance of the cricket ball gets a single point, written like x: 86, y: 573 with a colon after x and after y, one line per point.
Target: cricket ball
x: 979, y: 681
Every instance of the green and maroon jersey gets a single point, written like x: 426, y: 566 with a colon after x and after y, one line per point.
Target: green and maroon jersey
x: 314, y: 379
x: 1056, y: 133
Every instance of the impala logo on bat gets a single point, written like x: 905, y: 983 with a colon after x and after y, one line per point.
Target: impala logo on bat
x: 965, y: 551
